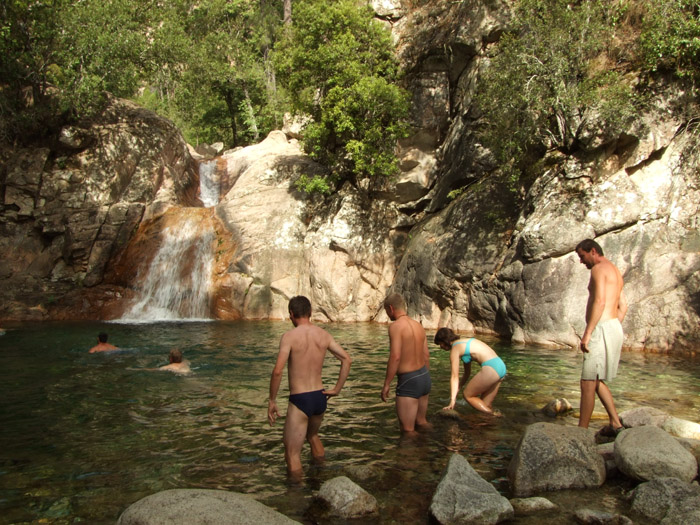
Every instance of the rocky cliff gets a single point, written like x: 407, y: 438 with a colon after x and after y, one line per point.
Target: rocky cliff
x: 83, y: 218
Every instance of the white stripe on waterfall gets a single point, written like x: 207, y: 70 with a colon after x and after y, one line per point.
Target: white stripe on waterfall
x: 177, y: 283
x: 208, y: 183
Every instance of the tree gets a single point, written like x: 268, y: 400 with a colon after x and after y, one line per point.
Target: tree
x: 338, y: 66
x: 549, y: 84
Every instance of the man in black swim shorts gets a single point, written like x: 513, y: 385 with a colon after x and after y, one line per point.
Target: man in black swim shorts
x: 304, y: 348
x: 409, y: 360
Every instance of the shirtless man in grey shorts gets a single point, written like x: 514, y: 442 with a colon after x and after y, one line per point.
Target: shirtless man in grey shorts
x: 410, y: 360
x: 601, y: 341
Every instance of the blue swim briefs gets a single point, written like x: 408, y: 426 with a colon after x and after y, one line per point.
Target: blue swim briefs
x: 310, y: 403
x: 498, y: 365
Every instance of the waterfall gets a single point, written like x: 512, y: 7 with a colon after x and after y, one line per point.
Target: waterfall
x: 177, y: 283
x: 208, y: 183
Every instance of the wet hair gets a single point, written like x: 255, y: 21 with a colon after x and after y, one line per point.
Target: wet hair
x: 300, y: 307
x: 102, y: 337
x: 587, y: 245
x: 175, y: 356
x: 396, y: 301
x: 446, y: 336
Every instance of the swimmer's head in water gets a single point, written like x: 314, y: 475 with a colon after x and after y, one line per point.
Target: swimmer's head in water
x: 102, y: 337
x: 175, y: 356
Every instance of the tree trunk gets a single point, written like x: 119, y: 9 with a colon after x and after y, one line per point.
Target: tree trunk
x: 231, y: 105
x: 287, y: 12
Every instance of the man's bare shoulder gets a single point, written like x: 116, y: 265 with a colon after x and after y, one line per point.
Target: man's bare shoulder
x: 305, y: 332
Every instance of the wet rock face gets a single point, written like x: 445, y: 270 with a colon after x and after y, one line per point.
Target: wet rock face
x: 338, y: 252
x: 68, y: 209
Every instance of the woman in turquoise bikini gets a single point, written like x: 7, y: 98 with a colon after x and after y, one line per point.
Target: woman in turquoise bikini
x: 483, y: 387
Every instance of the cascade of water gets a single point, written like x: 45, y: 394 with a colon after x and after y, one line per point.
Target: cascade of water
x: 208, y: 183
x: 177, y: 283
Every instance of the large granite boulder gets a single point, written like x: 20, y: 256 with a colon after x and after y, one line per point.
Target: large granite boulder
x: 200, y: 507
x: 667, y: 501
x: 555, y: 457
x: 463, y: 496
x: 337, y: 252
x: 646, y: 453
x: 641, y: 416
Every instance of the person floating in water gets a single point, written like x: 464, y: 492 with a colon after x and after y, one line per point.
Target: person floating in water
x: 483, y: 387
x: 409, y: 359
x: 602, y: 338
x: 102, y: 344
x: 177, y: 364
x: 304, y: 349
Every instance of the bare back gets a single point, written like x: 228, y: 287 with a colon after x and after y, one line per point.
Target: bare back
x: 307, y: 346
x: 605, y: 286
x: 409, y: 335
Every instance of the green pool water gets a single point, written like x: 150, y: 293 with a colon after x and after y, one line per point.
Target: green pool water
x: 82, y: 436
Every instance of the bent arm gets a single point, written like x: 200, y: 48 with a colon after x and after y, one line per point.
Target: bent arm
x: 596, y: 305
x: 454, y: 377
x: 276, y: 380
x: 426, y: 353
x: 345, y: 362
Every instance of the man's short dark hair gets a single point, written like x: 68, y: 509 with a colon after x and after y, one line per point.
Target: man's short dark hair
x: 587, y: 245
x: 300, y: 307
x: 102, y: 337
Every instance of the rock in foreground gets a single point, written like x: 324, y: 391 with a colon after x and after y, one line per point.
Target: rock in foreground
x: 200, y: 507
x: 555, y: 457
x: 465, y: 497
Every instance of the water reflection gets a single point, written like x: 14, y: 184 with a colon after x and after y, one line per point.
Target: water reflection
x: 83, y: 436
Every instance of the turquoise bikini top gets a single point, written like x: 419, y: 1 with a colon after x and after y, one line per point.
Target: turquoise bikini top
x: 467, y: 357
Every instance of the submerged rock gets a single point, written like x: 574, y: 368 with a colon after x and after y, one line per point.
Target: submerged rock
x: 465, y: 497
x: 557, y: 407
x: 524, y: 506
x: 599, y: 517
x: 200, y: 507
x: 346, y: 499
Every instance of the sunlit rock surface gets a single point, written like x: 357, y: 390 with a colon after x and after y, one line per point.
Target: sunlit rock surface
x: 555, y: 457
x: 200, y: 506
x: 647, y: 452
x: 340, y: 256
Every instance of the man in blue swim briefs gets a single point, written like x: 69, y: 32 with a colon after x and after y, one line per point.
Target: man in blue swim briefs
x: 304, y: 348
x: 601, y: 341
x: 410, y: 360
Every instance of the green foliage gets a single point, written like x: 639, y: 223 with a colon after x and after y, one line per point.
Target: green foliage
x: 203, y: 64
x: 313, y: 185
x: 338, y: 66
x: 670, y: 38
x: 455, y: 193
x: 549, y: 86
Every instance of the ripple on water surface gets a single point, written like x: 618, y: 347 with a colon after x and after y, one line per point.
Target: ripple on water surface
x: 85, y: 435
